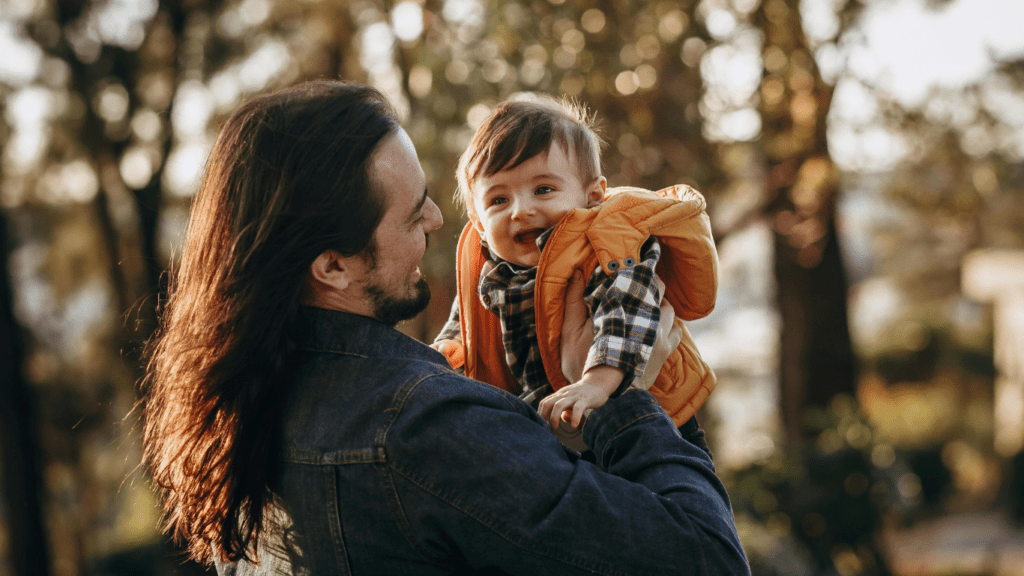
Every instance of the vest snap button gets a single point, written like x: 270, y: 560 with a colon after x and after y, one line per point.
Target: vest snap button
x: 487, y: 299
x: 613, y: 265
x: 629, y: 261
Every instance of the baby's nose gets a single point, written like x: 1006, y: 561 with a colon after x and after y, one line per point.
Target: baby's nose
x: 522, y: 208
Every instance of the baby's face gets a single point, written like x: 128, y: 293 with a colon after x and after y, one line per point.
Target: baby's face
x: 515, y: 206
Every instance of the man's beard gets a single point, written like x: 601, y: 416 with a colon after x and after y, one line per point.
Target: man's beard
x: 391, y: 309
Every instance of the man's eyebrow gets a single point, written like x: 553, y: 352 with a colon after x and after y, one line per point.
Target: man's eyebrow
x: 419, y: 205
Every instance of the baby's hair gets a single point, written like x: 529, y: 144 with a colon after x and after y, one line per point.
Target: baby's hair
x: 522, y: 127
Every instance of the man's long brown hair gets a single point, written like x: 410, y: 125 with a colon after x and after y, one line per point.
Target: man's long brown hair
x: 287, y: 179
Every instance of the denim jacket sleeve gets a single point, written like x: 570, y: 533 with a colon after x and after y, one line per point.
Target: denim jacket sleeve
x: 479, y: 483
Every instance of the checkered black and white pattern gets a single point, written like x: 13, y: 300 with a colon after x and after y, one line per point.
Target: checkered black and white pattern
x: 626, y: 313
x: 624, y: 306
x: 452, y: 329
x: 508, y: 290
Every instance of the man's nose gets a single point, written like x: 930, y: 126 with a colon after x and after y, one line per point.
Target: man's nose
x: 434, y: 217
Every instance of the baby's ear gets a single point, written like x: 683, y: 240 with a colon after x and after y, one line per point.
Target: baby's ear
x: 475, y: 220
x: 596, y: 192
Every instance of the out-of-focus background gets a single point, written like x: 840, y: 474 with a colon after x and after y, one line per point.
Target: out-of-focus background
x: 863, y: 162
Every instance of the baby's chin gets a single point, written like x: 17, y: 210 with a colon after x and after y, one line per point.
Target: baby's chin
x: 523, y: 258
x: 528, y: 262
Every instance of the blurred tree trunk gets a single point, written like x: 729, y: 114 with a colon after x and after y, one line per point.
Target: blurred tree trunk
x: 816, y: 360
x: 19, y: 445
x: 127, y: 218
x: 816, y: 354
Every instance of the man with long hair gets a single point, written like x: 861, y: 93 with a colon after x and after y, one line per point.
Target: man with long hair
x: 291, y: 429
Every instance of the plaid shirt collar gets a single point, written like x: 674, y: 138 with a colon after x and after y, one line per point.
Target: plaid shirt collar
x: 507, y: 290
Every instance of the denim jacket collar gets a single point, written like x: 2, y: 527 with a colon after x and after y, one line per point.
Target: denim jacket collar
x: 322, y: 330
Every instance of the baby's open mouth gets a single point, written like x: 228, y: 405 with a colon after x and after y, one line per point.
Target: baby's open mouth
x: 528, y: 237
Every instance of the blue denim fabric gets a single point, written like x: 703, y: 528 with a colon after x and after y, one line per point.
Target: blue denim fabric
x: 394, y: 464
x: 693, y: 433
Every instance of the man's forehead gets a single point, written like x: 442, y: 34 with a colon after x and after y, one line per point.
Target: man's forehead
x: 390, y: 159
x: 396, y: 172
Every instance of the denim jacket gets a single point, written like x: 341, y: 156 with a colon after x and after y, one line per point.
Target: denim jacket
x: 392, y: 463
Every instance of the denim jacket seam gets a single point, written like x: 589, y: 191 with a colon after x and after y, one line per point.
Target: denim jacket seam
x: 395, y: 502
x: 334, y: 514
x: 397, y: 404
x: 496, y: 527
x: 323, y: 350
x: 315, y: 458
x: 407, y: 389
x: 620, y: 428
x: 398, y: 512
x: 510, y: 400
x: 404, y: 392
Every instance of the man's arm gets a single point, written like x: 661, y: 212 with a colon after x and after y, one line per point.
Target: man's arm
x: 481, y: 482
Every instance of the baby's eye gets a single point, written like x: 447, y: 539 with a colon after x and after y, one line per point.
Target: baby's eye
x: 544, y: 190
x: 497, y: 200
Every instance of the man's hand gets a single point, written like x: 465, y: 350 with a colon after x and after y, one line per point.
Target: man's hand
x: 577, y: 330
x: 669, y: 336
x: 578, y: 335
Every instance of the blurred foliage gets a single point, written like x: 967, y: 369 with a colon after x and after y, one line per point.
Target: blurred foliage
x: 113, y: 104
x: 820, y: 507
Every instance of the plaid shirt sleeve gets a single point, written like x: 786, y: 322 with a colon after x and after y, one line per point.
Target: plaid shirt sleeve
x: 452, y: 330
x: 625, y: 311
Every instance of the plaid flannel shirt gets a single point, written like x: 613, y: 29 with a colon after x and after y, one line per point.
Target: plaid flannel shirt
x: 624, y: 307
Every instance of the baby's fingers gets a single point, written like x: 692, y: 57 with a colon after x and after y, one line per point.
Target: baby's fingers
x: 544, y: 408
x: 577, y: 412
x: 559, y: 410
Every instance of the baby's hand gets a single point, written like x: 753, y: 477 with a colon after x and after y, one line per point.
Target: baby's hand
x: 453, y: 350
x: 576, y: 398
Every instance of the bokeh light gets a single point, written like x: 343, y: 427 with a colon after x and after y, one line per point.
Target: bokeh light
x: 407, y: 20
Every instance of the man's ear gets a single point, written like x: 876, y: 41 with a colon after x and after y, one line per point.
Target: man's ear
x: 595, y: 195
x: 333, y: 281
x: 330, y: 272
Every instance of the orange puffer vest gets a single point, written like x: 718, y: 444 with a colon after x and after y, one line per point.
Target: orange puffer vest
x: 607, y: 235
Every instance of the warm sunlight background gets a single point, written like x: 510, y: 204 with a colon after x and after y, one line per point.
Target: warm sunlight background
x: 863, y: 162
